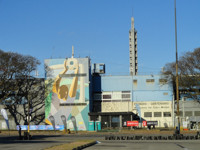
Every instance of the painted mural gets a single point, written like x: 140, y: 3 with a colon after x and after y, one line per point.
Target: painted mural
x: 68, y: 92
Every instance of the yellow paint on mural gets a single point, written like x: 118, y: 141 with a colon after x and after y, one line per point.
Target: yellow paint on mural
x: 48, y: 122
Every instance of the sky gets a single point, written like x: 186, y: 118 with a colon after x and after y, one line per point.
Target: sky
x: 100, y: 29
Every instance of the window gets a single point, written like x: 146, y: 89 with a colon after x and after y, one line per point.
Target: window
x: 180, y: 113
x: 124, y: 96
x: 197, y: 113
x: 150, y: 80
x: 126, y: 91
x: 147, y: 114
x: 157, y: 114
x: 166, y: 114
x: 134, y: 81
x: 165, y: 93
x: 162, y: 81
x: 188, y: 113
x: 108, y: 96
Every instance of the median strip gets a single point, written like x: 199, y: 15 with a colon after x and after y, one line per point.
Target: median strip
x: 77, y: 145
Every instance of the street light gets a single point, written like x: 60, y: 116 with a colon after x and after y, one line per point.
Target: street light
x: 28, y: 109
x: 177, y: 84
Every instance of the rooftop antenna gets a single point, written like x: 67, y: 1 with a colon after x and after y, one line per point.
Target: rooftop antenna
x: 72, y: 51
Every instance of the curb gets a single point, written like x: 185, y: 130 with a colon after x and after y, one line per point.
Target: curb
x: 85, y: 145
x: 140, y: 137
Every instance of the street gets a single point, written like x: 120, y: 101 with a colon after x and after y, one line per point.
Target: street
x: 146, y: 145
x: 42, y: 142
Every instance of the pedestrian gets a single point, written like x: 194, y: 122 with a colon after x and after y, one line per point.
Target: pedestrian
x: 20, y: 132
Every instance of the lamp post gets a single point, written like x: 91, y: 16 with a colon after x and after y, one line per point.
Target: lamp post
x: 177, y: 83
x: 28, y: 110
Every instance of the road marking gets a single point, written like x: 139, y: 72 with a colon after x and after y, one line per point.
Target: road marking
x: 184, y: 148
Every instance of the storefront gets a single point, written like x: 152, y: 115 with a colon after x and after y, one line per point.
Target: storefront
x: 113, y: 119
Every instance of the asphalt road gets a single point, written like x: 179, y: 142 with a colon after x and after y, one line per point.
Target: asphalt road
x: 42, y: 142
x: 39, y: 142
x: 146, y: 145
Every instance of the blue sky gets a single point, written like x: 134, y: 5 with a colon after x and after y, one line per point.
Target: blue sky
x: 99, y: 29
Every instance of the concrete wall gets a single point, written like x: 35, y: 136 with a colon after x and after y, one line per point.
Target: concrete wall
x: 162, y: 106
x: 189, y: 111
x: 141, y: 90
x: 11, y: 119
x: 112, y: 83
x: 151, y: 92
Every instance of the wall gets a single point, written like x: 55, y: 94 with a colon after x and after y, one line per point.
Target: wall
x: 68, y: 94
x: 164, y: 106
x: 140, y: 89
x: 112, y: 83
x: 152, y: 93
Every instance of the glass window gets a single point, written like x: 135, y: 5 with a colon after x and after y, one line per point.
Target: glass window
x: 126, y: 96
x: 115, y: 122
x: 157, y: 114
x: 108, y: 96
x: 180, y: 113
x: 126, y: 91
x: 166, y: 114
x: 105, y: 121
x: 165, y: 93
x: 188, y: 113
x: 150, y: 80
x: 197, y: 113
x: 134, y: 81
x: 147, y: 114
x: 162, y: 81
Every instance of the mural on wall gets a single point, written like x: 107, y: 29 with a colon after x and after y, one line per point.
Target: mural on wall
x: 68, y: 94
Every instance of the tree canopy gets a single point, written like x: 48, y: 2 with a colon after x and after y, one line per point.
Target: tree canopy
x: 18, y: 87
x: 189, y: 74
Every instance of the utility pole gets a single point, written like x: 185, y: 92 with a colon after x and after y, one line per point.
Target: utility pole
x: 28, y: 110
x: 177, y: 83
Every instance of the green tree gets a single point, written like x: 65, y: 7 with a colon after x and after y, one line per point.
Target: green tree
x: 189, y: 74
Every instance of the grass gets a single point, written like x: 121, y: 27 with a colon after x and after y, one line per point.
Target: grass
x: 104, y: 131
x: 70, y: 146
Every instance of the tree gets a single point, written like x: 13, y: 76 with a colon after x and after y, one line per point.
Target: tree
x: 189, y: 74
x: 18, y: 87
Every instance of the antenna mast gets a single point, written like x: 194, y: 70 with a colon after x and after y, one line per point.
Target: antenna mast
x: 72, y: 51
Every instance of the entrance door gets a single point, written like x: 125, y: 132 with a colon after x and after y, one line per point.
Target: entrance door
x: 115, y: 121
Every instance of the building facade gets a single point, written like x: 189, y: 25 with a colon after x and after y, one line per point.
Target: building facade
x: 118, y: 99
x: 189, y: 114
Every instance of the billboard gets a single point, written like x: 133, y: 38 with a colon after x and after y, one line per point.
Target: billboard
x: 132, y: 123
